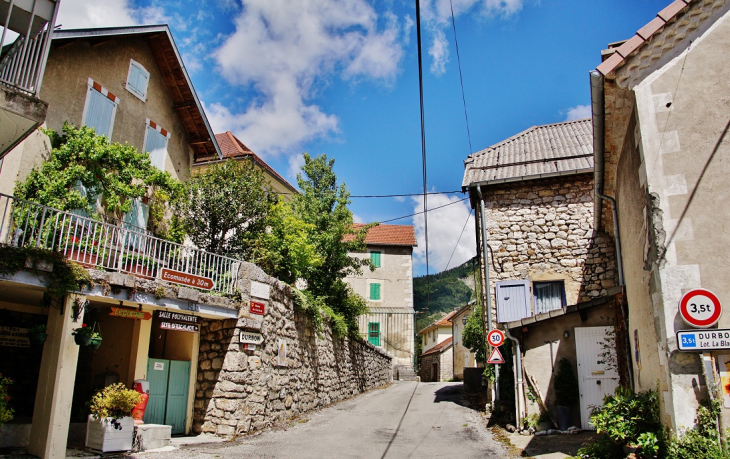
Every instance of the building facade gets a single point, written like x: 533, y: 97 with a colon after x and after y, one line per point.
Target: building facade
x: 463, y: 356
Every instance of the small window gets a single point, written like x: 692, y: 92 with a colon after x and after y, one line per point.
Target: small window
x: 99, y: 109
x: 375, y: 291
x: 155, y: 143
x: 375, y: 258
x: 137, y: 80
x: 456, y: 334
x: 374, y: 333
x: 548, y: 296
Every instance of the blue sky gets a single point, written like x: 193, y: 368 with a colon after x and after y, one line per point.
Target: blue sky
x: 340, y: 77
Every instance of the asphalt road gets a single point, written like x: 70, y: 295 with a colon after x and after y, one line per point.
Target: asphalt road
x: 407, y: 419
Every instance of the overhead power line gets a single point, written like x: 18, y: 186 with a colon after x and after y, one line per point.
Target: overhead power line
x: 424, y: 211
x: 461, y: 78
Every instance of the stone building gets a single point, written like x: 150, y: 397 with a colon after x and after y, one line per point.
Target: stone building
x: 550, y: 277
x: 463, y: 356
x: 436, y: 360
x: 389, y: 292
x: 660, y: 110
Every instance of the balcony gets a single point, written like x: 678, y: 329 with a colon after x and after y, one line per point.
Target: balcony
x: 118, y: 248
x: 25, y: 36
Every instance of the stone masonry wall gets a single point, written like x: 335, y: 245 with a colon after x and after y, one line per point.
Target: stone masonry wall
x: 241, y: 390
x: 543, y: 230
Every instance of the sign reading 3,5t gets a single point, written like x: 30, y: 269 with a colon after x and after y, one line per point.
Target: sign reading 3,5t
x: 700, y: 308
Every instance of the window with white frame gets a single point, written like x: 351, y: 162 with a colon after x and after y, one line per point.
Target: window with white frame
x: 155, y: 143
x: 137, y: 80
x: 99, y: 109
x: 548, y: 296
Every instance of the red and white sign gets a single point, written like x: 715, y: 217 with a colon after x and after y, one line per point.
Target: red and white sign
x: 495, y: 338
x: 257, y: 307
x: 191, y: 280
x: 496, y: 357
x: 700, y: 308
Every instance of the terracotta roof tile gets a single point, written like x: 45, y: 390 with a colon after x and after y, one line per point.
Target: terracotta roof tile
x: 439, y: 347
x: 388, y: 235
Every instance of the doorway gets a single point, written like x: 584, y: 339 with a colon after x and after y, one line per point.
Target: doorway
x: 597, y: 376
x: 168, y: 403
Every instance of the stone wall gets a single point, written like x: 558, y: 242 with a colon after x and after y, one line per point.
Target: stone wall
x: 240, y: 390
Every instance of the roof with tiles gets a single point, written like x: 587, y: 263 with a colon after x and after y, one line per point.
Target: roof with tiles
x: 388, y: 235
x: 541, y: 151
x: 445, y: 321
x: 440, y: 347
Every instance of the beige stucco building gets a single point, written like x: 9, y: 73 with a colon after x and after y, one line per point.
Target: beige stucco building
x: 660, y: 110
x: 463, y: 356
x: 436, y: 360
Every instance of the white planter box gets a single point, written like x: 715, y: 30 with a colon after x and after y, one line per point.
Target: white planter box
x: 102, y: 436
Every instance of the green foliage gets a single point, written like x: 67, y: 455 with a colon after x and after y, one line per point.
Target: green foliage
x: 625, y: 415
x: 702, y: 441
x: 116, y: 172
x: 531, y: 420
x: 602, y: 448
x: 648, y: 442
x: 565, y: 384
x: 473, y: 335
x: 114, y: 401
x: 447, y: 292
x: 6, y: 413
x: 85, y: 330
x: 225, y: 208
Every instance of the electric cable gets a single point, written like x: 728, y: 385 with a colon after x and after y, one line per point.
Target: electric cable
x: 458, y: 240
x: 422, y: 212
x: 461, y: 78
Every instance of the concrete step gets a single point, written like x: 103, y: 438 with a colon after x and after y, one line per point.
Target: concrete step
x: 152, y: 436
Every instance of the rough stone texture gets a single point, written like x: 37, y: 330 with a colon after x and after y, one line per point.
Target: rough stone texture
x: 444, y: 361
x: 242, y: 390
x: 543, y: 230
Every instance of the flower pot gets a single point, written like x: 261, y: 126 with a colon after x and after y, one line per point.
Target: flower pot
x: 82, y: 339
x: 102, y: 435
x: 37, y: 338
x: 563, y: 417
x: 94, y: 343
x: 83, y: 258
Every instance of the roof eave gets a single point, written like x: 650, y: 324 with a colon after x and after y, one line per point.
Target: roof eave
x: 523, y: 178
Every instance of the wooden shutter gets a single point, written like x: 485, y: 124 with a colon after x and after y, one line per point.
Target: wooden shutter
x: 156, y: 146
x: 374, y: 291
x: 99, y: 112
x: 513, y: 300
x: 137, y: 80
x: 375, y: 258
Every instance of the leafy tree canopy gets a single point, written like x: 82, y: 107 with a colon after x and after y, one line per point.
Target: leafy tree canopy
x: 473, y: 336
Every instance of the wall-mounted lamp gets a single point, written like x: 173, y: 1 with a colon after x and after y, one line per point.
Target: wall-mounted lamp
x: 566, y: 334
x: 463, y: 320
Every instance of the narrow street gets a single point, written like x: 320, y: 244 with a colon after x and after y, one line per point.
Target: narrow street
x: 408, y: 419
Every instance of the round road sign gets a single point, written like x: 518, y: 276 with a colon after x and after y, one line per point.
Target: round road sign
x: 700, y: 308
x: 495, y: 338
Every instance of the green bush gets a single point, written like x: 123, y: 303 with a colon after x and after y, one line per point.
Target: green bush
x: 625, y: 415
x: 6, y: 413
x: 114, y: 401
x: 702, y: 441
x: 602, y: 448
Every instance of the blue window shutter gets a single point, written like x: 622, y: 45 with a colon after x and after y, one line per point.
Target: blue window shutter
x: 156, y: 146
x: 374, y: 291
x: 375, y: 258
x: 138, y: 80
x: 513, y: 300
x: 138, y: 216
x: 99, y: 113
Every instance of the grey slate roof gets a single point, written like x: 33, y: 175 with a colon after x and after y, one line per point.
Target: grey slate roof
x: 541, y: 151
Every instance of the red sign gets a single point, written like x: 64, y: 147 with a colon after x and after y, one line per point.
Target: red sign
x: 257, y: 307
x: 700, y: 308
x: 130, y: 313
x: 190, y: 280
x: 495, y: 338
x: 496, y: 357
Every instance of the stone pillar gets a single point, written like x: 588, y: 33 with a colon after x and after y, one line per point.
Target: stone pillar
x: 52, y: 410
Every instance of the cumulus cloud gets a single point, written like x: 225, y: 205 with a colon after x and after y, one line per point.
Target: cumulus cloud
x: 579, y: 112
x: 109, y: 13
x: 285, y: 50
x: 436, y: 16
x: 295, y: 167
x: 444, y: 228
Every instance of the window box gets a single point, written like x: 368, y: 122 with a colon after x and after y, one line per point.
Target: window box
x: 102, y: 435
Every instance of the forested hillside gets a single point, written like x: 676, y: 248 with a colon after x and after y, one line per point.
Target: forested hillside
x: 448, y: 292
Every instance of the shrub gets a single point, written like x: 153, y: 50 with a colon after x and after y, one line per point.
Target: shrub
x: 6, y: 413
x: 602, y: 448
x: 114, y: 401
x: 625, y: 415
x: 702, y: 440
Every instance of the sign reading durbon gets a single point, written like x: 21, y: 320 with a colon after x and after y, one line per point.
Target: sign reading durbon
x: 703, y: 340
x: 700, y: 308
x: 495, y: 337
x: 190, y: 280
x: 496, y: 357
x: 130, y: 313
x: 257, y: 307
x: 248, y: 337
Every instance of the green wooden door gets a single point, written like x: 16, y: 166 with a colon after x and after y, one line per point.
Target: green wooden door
x: 177, y: 396
x: 158, y: 371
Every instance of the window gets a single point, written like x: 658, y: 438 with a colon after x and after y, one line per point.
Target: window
x: 99, y: 109
x: 548, y: 296
x: 155, y: 143
x: 375, y: 291
x: 456, y: 334
x: 374, y: 333
x: 375, y: 258
x: 137, y: 80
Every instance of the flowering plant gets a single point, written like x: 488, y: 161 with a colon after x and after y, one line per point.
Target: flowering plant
x: 6, y: 413
x: 85, y: 330
x: 114, y: 401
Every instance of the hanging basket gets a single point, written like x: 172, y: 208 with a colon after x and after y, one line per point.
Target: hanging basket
x: 37, y: 338
x: 82, y: 339
x: 94, y: 343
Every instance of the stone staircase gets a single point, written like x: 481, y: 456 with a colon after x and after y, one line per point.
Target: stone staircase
x: 404, y: 373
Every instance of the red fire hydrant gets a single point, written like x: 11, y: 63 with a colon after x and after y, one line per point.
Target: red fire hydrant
x: 143, y: 387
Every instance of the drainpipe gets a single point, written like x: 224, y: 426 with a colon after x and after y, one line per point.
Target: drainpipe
x: 483, y: 220
x: 519, y: 382
x: 617, y: 237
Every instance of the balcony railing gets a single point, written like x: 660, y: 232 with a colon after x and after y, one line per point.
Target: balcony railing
x: 109, y: 247
x: 25, y: 36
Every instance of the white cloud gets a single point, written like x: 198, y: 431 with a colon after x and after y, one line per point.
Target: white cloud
x: 109, y: 13
x: 295, y: 167
x: 444, y: 228
x: 285, y: 50
x: 579, y: 112
x: 357, y: 219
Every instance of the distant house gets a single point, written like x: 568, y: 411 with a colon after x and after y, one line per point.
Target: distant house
x: 551, y: 278
x: 436, y: 359
x: 388, y: 290
x: 463, y: 356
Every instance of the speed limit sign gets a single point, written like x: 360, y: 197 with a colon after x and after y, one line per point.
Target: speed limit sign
x: 495, y: 338
x: 700, y: 308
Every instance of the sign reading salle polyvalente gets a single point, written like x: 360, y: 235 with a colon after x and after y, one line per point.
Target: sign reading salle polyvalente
x: 190, y: 280
x: 175, y: 321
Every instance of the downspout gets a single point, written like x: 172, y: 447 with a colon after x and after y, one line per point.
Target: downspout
x: 519, y: 382
x: 483, y: 221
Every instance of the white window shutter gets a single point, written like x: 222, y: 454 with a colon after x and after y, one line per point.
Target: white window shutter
x: 137, y: 80
x: 513, y: 300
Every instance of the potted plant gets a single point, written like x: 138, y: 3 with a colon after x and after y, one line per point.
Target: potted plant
x: 139, y: 264
x: 86, y: 336
x: 83, y: 251
x: 6, y: 413
x: 567, y: 392
x: 110, y: 426
x: 37, y: 335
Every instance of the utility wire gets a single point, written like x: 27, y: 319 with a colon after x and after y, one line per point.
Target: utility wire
x: 458, y: 240
x: 386, y: 195
x: 423, y: 145
x: 461, y: 78
x: 425, y: 211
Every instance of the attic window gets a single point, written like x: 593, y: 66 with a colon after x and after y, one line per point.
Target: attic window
x: 137, y: 80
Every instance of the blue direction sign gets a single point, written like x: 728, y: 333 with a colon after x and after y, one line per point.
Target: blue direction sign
x: 703, y: 340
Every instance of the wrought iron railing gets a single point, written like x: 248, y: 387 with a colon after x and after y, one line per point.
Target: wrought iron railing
x: 110, y: 247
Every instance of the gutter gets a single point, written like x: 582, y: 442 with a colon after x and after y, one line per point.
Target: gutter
x: 519, y: 382
x: 598, y: 117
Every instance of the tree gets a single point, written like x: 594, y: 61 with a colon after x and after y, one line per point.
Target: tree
x: 473, y: 335
x: 84, y: 168
x: 225, y: 208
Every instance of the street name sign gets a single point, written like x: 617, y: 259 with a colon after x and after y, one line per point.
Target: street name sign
x: 190, y: 280
x: 496, y: 357
x: 700, y: 308
x: 703, y: 340
x: 248, y: 337
x: 169, y: 320
x: 257, y: 307
x: 495, y: 338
